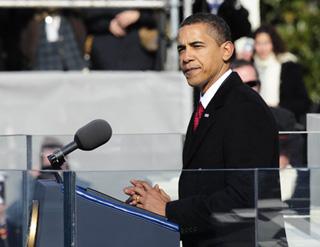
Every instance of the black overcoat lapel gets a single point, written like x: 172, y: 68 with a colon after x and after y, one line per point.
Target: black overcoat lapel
x: 194, y: 139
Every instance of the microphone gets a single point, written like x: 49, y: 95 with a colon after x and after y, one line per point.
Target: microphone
x: 88, y: 137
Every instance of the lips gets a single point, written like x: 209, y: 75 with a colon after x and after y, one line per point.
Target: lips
x: 190, y: 71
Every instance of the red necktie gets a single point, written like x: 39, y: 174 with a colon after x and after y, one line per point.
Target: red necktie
x: 197, y: 116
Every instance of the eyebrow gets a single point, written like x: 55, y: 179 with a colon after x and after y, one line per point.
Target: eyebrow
x: 180, y: 46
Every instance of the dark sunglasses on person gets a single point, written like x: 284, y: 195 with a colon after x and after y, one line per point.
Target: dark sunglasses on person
x: 253, y: 83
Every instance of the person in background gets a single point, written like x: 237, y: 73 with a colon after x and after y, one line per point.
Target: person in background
x: 49, y: 145
x: 3, y: 218
x: 12, y: 21
x: 15, y: 211
x: 53, y: 40
x: 122, y: 39
x: 291, y: 146
x: 236, y: 16
x: 288, y: 175
x: 244, y: 48
x: 280, y: 74
x: 247, y: 72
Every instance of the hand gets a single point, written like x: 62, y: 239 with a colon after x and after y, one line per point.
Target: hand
x: 127, y: 18
x: 138, y: 183
x: 116, y: 29
x: 163, y: 193
x: 147, y: 197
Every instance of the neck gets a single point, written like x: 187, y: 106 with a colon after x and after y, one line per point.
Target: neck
x: 223, y: 70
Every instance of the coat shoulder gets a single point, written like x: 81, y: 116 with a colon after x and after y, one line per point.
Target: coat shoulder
x: 244, y: 94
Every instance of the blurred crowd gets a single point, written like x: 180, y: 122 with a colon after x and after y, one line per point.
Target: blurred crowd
x: 76, y: 39
x: 129, y: 39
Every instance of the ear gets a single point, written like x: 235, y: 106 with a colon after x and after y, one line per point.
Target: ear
x: 227, y: 50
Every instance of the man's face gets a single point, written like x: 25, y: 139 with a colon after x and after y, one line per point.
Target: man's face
x: 201, y: 59
x: 45, y: 163
x: 248, y: 74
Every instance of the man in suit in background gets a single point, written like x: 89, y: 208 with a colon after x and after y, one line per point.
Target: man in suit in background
x: 232, y: 128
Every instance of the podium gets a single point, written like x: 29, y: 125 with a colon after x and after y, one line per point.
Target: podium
x: 100, y: 221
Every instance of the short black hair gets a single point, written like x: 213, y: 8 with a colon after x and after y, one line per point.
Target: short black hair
x: 239, y: 63
x: 216, y: 24
x: 51, y: 142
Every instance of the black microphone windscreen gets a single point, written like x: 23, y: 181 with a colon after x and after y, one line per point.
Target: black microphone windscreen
x: 93, y: 134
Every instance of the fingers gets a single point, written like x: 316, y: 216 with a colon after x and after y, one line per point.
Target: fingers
x: 134, y: 200
x: 116, y: 29
x: 141, y: 184
x: 165, y: 195
x: 138, y: 187
x: 139, y: 191
x: 127, y: 18
x: 146, y: 186
x: 156, y: 187
x: 128, y: 191
x: 142, y: 193
x: 136, y: 183
x: 140, y: 206
x: 162, y: 192
x: 134, y: 190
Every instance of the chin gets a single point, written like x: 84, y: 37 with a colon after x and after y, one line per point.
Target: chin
x: 193, y: 82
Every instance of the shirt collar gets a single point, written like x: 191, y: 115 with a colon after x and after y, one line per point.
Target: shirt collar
x: 206, y: 98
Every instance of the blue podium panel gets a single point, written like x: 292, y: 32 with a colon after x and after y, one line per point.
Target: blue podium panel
x: 100, y: 221
x: 49, y: 227
x: 118, y: 224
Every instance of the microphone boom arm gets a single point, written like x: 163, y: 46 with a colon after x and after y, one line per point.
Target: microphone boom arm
x: 57, y: 158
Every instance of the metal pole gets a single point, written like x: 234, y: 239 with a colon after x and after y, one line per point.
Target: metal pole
x: 172, y: 57
x: 69, y: 205
x: 26, y: 183
x: 187, y: 8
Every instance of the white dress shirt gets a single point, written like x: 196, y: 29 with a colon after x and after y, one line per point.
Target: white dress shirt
x: 206, y: 98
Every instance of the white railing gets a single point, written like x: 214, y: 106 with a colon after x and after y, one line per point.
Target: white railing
x: 153, y: 4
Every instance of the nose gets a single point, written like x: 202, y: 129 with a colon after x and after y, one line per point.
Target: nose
x: 186, y: 56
